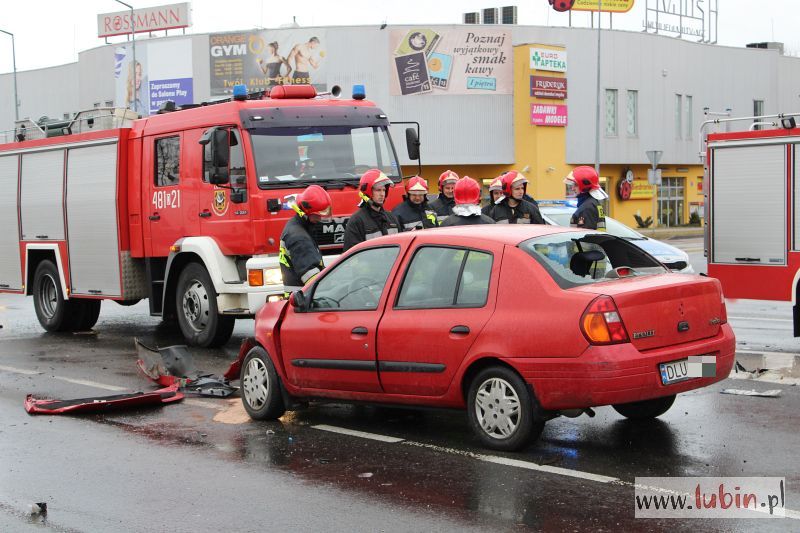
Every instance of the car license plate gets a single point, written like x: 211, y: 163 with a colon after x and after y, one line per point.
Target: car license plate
x: 674, y: 371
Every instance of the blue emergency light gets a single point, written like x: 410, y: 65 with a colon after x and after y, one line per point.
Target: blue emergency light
x: 240, y: 92
x: 359, y: 93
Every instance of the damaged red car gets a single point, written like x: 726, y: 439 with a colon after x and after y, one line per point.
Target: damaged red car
x: 515, y: 324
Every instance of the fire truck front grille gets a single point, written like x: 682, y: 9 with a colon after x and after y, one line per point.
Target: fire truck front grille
x: 330, y: 235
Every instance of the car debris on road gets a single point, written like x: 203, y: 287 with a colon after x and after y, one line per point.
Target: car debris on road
x: 764, y: 394
x: 174, y: 365
x: 95, y: 404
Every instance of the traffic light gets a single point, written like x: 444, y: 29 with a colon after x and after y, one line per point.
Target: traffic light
x: 562, y: 5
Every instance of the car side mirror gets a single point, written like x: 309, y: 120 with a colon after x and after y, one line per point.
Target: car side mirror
x: 412, y: 144
x: 298, y: 301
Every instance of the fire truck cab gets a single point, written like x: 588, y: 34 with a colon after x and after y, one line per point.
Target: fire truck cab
x: 184, y: 208
x: 753, y: 210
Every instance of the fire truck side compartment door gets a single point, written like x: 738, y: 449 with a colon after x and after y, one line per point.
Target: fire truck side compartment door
x: 92, y: 220
x: 748, y: 209
x: 10, y: 269
x: 41, y: 196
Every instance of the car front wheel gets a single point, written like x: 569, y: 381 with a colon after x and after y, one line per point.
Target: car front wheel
x: 645, y: 409
x: 500, y: 409
x: 261, y: 394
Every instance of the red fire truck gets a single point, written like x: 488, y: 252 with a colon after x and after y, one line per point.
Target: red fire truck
x: 753, y: 210
x: 184, y: 208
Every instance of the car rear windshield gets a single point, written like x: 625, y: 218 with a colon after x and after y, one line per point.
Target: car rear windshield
x: 580, y: 258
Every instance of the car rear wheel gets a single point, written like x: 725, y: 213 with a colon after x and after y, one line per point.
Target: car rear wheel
x: 645, y: 409
x: 500, y: 409
x: 261, y: 394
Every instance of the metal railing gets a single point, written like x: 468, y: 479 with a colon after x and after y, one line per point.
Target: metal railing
x: 101, y: 118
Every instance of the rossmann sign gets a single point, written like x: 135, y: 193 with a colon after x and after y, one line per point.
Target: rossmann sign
x: 167, y: 17
x: 547, y: 87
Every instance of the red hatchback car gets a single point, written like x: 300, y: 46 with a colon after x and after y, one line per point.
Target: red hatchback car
x: 517, y: 324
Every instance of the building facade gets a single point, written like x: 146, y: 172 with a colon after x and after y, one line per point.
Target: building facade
x: 487, y: 98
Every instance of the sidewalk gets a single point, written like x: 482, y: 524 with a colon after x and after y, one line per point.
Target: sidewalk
x: 663, y: 234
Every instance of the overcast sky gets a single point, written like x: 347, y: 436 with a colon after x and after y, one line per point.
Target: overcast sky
x: 52, y: 32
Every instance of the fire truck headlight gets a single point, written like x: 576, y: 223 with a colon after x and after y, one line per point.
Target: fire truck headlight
x: 272, y: 276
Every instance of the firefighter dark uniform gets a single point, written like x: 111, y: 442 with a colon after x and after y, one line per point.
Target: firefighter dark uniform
x: 371, y: 220
x: 467, y: 194
x: 415, y: 215
x: 524, y: 213
x: 300, y: 257
x: 590, y: 213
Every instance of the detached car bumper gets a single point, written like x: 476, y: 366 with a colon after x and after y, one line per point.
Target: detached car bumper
x: 607, y: 375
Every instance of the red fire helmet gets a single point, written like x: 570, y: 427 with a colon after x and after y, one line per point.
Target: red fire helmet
x: 586, y: 180
x: 314, y: 200
x: 496, y: 184
x: 467, y: 191
x: 372, y: 178
x: 416, y: 184
x: 447, y: 176
x: 510, y: 179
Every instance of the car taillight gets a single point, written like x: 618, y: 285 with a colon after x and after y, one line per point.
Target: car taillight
x: 601, y: 323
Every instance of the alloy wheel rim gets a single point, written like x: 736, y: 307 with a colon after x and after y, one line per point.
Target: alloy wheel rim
x: 255, y: 383
x: 497, y: 407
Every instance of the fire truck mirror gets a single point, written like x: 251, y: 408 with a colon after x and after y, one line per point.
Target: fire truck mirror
x: 412, y: 144
x: 220, y: 157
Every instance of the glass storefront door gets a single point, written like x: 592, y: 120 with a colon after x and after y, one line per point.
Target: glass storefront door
x: 670, y: 202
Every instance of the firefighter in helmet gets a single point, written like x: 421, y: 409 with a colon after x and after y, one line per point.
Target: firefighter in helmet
x: 443, y: 205
x: 590, y: 213
x: 371, y: 219
x: 300, y: 257
x: 513, y: 208
x: 414, y: 212
x: 495, y: 194
x: 467, y: 194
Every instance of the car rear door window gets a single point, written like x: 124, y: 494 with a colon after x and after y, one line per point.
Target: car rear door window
x: 580, y: 258
x: 440, y: 277
x: 356, y: 284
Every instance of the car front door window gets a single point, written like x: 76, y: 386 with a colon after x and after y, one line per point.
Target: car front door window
x: 357, y: 283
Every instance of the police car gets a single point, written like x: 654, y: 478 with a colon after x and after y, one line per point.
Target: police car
x: 559, y: 212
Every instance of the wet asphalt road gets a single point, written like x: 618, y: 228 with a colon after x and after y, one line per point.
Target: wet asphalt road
x: 201, y: 465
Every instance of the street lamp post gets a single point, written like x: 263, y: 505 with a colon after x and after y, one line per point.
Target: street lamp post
x: 14, y: 59
x: 597, y: 107
x: 133, y: 45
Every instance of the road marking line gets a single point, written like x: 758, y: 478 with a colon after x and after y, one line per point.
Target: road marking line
x: 757, y: 319
x: 94, y: 384
x: 354, y: 433
x: 15, y: 370
x: 795, y: 515
x: 528, y: 465
x: 202, y: 403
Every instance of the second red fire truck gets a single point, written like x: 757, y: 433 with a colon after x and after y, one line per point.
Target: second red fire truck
x: 184, y: 208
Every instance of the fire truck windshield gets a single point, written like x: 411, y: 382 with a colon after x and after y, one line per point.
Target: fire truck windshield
x: 291, y: 156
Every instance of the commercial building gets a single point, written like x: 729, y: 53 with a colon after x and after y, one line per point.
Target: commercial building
x: 488, y: 98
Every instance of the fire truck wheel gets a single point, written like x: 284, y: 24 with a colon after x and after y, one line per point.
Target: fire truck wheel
x: 52, y: 310
x: 84, y: 314
x: 196, y: 307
